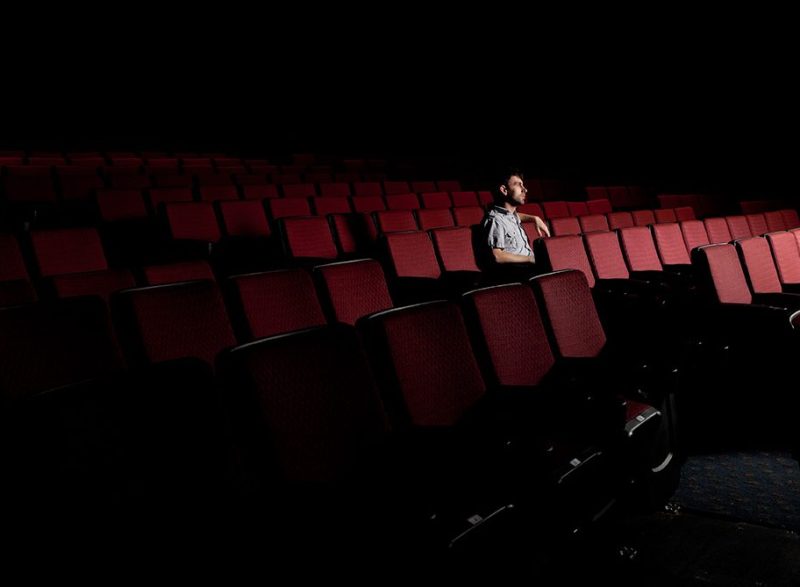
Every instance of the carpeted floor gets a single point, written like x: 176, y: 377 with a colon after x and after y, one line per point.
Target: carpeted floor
x: 756, y: 487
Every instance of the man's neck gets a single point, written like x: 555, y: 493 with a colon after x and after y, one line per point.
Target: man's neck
x: 510, y: 207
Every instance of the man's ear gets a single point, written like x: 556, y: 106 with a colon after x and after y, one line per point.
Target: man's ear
x: 504, y: 190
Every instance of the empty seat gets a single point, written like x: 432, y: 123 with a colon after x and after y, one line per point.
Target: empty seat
x: 402, y: 202
x: 395, y: 221
x: 169, y: 195
x: 331, y: 205
x: 368, y: 204
x: 787, y: 258
x: 620, y: 220
x: 193, y: 221
x: 775, y: 221
x: 565, y: 252
x: 299, y: 190
x: 212, y: 193
x: 436, y: 200
x: 557, y: 209
x: 665, y: 215
x: 455, y: 249
x: 339, y: 189
x: 593, y: 223
x: 166, y: 322
x: 434, y: 218
x: 423, y: 186
x: 448, y: 185
x: 694, y: 234
x: 565, y: 226
x: 762, y: 275
x: 95, y: 283
x: 738, y: 227
x: 68, y: 250
x: 758, y: 225
x: 577, y: 334
x: 52, y: 344
x: 468, y: 216
x: 462, y: 199
x: 177, y: 272
x: 396, y: 187
x: 121, y: 205
x: 790, y: 218
x: 15, y: 286
x: 353, y: 289
x: 259, y: 191
x: 599, y: 205
x: 643, y: 217
x: 308, y: 238
x: 275, y: 302
x: 367, y: 188
x: 670, y: 244
x: 244, y: 219
x: 578, y: 209
x: 318, y: 420
x: 288, y: 207
x: 717, y: 230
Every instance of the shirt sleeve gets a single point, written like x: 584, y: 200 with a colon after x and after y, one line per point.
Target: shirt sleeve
x: 495, y: 235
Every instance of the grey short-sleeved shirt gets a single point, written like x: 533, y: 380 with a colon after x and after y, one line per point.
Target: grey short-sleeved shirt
x: 503, y: 230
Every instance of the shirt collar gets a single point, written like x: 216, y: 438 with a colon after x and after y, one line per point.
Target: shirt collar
x: 502, y: 209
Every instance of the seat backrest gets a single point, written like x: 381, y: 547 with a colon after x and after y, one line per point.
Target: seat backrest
x: 275, y: 302
x: 786, y: 254
x: 775, y: 221
x: 599, y: 205
x: 566, y: 252
x: 720, y: 266
x: 758, y: 225
x: 68, y: 250
x: 620, y: 220
x: 593, y: 223
x: 424, y: 358
x: 738, y: 227
x: 177, y: 272
x: 643, y: 217
x: 244, y: 218
x: 52, y: 344
x: 639, y: 249
x: 165, y: 322
x: 308, y: 238
x: 412, y: 255
x: 193, y: 221
x: 694, y: 234
x: 353, y: 289
x: 565, y: 301
x: 759, y: 267
x: 454, y: 248
x: 670, y: 245
x: 605, y: 255
x: 665, y: 215
x: 565, y: 226
x: 311, y: 399
x: 507, y: 317
x: 12, y: 265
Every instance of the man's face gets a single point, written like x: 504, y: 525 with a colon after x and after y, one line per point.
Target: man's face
x: 516, y: 192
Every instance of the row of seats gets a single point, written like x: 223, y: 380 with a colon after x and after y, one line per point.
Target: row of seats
x: 32, y: 184
x: 306, y: 415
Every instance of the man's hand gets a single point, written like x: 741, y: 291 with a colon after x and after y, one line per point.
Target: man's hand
x: 541, y: 227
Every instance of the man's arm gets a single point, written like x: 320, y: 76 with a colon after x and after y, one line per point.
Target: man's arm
x: 541, y: 227
x: 501, y: 256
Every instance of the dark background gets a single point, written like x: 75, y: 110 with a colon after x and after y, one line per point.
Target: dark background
x: 676, y: 102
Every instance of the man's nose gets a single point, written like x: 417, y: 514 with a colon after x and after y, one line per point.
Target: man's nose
x: 524, y: 190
